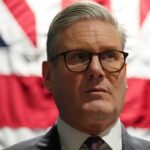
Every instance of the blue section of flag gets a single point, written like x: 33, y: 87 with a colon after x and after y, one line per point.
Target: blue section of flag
x: 2, y: 43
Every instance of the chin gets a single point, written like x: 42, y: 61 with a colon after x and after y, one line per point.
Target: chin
x: 99, y: 119
x: 99, y: 108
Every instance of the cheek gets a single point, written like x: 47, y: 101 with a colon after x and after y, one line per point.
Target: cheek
x: 66, y: 87
x: 119, y: 89
x: 118, y: 84
x: 67, y: 97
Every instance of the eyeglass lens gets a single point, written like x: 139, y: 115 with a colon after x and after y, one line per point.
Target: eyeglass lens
x: 111, y: 60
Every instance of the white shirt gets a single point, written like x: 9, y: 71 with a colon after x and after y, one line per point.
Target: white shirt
x: 72, y: 139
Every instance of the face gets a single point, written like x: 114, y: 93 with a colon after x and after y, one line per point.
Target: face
x: 90, y: 100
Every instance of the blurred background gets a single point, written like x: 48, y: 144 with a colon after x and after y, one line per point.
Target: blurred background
x: 27, y: 109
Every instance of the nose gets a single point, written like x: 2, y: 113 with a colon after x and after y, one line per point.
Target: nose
x: 95, y: 70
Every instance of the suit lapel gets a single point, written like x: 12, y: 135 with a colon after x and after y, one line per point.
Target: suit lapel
x: 54, y: 143
x: 126, y: 140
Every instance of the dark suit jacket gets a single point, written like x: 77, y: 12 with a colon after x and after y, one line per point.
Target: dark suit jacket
x: 50, y: 141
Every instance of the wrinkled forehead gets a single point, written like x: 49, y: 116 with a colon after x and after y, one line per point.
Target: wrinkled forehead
x: 88, y: 32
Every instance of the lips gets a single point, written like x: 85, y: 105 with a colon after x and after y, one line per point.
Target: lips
x: 97, y: 90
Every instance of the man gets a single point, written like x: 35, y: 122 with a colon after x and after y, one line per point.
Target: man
x: 86, y: 71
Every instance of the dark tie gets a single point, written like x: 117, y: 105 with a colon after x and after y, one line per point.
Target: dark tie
x: 94, y: 143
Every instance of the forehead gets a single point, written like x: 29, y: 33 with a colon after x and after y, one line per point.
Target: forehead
x: 94, y: 34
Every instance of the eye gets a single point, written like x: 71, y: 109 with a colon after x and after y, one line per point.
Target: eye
x: 78, y: 56
x: 81, y: 56
x: 109, y: 55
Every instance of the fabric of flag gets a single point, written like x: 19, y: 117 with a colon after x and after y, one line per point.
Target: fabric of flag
x: 27, y: 109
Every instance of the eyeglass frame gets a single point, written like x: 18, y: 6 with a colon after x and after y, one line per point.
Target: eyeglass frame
x: 64, y: 54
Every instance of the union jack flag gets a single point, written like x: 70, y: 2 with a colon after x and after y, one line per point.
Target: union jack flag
x: 27, y: 109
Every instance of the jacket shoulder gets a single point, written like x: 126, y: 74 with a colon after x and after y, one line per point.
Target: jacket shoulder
x: 25, y: 145
x: 140, y: 143
x: 133, y: 143
x: 48, y: 141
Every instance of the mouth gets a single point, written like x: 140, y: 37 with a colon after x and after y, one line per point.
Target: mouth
x: 97, y: 90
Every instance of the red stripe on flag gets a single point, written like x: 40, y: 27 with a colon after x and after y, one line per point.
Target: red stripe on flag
x: 25, y: 102
x: 106, y: 3
x: 144, y: 10
x: 25, y: 17
x: 136, y: 112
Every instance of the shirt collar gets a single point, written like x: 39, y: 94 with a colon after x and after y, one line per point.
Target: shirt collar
x: 113, y: 135
x: 76, y: 138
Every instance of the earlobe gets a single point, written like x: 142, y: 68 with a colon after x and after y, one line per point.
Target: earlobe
x: 46, y: 73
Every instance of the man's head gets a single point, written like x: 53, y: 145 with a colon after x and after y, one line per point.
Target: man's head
x: 77, y: 12
x: 85, y: 68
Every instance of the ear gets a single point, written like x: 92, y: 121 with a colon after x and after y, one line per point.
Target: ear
x: 125, y: 75
x: 46, y: 73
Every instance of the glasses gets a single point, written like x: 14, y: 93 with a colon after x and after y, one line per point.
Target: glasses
x: 79, y: 60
